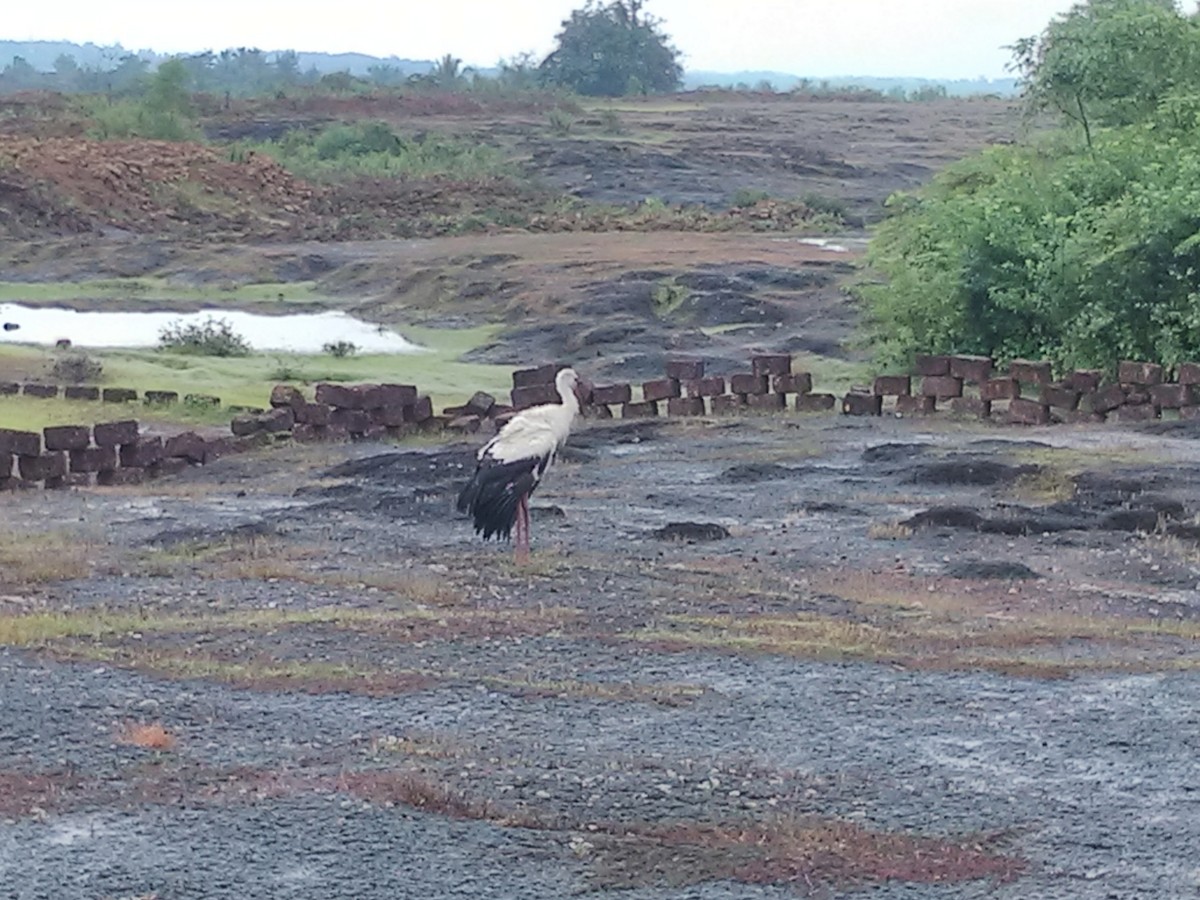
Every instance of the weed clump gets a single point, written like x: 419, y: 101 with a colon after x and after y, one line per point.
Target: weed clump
x: 212, y: 337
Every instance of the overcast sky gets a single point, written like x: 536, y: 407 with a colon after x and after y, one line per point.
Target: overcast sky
x: 932, y: 38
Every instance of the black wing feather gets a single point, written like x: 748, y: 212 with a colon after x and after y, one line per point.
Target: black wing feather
x: 495, y: 490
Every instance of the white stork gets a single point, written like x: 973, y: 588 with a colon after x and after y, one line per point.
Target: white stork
x: 512, y: 463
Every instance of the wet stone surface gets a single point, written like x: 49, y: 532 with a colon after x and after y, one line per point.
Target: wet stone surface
x: 362, y: 700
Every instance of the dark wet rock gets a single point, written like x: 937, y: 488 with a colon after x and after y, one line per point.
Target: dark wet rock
x: 817, y: 345
x: 1099, y: 484
x: 609, y: 333
x: 999, y: 445
x: 691, y: 531
x: 894, y: 452
x: 786, y: 279
x: 990, y: 570
x: 549, y: 511
x: 201, y: 535
x: 1143, y: 520
x: 828, y: 506
x: 967, y: 471
x: 712, y: 281
x: 1033, y: 522
x: 635, y: 431
x: 945, y: 517
x: 751, y: 473
x: 407, y: 467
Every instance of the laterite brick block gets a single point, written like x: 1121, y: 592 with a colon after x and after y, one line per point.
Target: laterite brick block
x: 727, y: 403
x: 538, y: 375
x: 40, y: 390
x: 1085, y: 380
x: 67, y: 437
x: 142, y: 452
x: 1059, y: 396
x: 892, y: 385
x: 160, y: 398
x: 355, y: 421
x: 1029, y: 371
x: 419, y: 412
x: 662, y: 389
x: 1141, y: 373
x: 971, y: 406
x: 1106, y: 399
x: 1028, y: 412
x: 120, y: 477
x: 1172, y: 396
x: 1000, y: 389
x: 110, y: 434
x: 612, y: 394
x: 743, y: 383
x: 915, y: 405
x: 9, y: 387
x: 1185, y: 373
x: 25, y: 443
x: 766, y: 401
x: 644, y: 409
x: 534, y: 395
x: 287, y: 395
x: 188, y: 446
x: 792, y: 383
x: 713, y: 386
x: 201, y: 400
x: 43, y: 466
x: 313, y: 413
x: 941, y: 386
x: 93, y: 459
x: 685, y: 406
x: 855, y: 404
x: 337, y: 395
x: 971, y: 369
x: 118, y: 395
x: 80, y: 392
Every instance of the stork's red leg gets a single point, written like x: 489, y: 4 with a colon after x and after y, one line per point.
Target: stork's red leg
x: 522, y: 524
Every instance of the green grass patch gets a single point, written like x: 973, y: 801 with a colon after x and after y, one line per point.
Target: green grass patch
x: 156, y: 290
x: 247, y: 381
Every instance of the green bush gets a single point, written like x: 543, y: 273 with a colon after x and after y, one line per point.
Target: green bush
x: 212, y: 337
x: 340, y: 349
x: 373, y: 149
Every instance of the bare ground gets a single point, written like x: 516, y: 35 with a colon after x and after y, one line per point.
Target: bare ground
x: 310, y: 679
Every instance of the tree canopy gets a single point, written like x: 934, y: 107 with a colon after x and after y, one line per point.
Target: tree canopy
x: 612, y: 49
x: 1081, y: 245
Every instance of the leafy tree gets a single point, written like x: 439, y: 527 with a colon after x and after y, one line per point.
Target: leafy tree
x: 609, y: 50
x: 1109, y: 62
x: 1084, y: 254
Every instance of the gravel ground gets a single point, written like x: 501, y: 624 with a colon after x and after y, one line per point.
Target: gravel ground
x: 483, y: 730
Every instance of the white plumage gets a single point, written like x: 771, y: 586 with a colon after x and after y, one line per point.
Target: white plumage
x: 511, y: 464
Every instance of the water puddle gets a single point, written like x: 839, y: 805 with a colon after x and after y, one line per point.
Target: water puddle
x: 298, y: 333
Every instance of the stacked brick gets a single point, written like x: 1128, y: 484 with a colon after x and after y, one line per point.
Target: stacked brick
x: 341, y: 412
x: 109, y: 453
x: 93, y: 393
x: 1028, y: 393
x: 686, y: 390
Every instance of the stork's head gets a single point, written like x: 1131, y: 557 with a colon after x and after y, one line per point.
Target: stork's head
x: 569, y: 380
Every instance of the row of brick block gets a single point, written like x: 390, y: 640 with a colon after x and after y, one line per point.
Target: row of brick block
x: 109, y: 453
x: 106, y: 395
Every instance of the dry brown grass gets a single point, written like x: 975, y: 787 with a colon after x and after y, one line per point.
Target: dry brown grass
x: 889, y: 531
x: 935, y: 624
x: 45, y: 557
x: 808, y: 853
x: 147, y: 735
x: 34, y: 793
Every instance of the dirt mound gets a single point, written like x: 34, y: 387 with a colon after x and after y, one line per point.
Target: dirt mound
x: 75, y: 185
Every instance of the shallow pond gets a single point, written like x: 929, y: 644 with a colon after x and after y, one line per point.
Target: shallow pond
x: 299, y: 333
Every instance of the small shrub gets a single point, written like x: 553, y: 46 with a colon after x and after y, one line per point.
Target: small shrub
x: 340, y: 349
x: 746, y: 197
x: 610, y: 122
x: 830, y: 206
x: 77, y: 368
x: 212, y: 337
x: 560, y: 122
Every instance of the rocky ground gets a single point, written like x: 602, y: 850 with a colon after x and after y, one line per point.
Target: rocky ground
x: 756, y: 657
